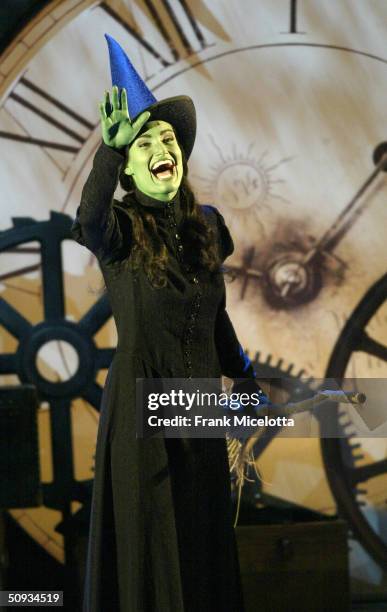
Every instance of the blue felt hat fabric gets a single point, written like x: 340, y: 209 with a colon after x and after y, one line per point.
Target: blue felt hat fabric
x: 125, y: 75
x: 179, y: 111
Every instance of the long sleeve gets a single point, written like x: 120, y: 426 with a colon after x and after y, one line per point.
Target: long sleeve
x: 234, y: 362
x: 99, y: 223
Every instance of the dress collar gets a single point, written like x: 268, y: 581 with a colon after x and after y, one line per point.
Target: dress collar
x: 161, y: 210
x: 150, y: 202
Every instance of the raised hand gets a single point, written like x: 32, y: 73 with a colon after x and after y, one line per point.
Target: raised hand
x: 117, y: 129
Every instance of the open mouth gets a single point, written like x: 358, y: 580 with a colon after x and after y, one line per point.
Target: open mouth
x: 163, y: 169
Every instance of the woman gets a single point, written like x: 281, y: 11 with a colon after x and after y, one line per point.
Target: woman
x: 161, y: 535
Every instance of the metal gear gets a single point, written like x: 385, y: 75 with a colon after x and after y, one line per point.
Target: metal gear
x: 340, y: 455
x: 64, y: 488
x: 293, y: 385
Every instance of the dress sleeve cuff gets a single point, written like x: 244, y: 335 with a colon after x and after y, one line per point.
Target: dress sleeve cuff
x: 109, y: 155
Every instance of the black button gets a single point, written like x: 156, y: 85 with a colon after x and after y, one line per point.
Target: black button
x: 187, y: 353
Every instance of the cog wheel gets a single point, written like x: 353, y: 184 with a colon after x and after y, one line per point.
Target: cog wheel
x: 64, y: 488
x: 341, y: 455
x: 288, y: 383
x: 281, y: 384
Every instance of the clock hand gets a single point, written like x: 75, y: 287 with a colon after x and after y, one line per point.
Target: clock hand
x: 291, y: 277
x: 348, y: 215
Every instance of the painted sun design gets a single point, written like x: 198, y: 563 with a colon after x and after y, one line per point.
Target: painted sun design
x: 243, y: 183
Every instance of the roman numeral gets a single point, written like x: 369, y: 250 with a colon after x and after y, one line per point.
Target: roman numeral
x: 176, y: 32
x: 19, y: 271
x: 293, y: 18
x: 49, y: 118
x: 133, y: 32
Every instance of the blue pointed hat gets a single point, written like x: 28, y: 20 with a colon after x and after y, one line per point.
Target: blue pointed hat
x: 179, y: 111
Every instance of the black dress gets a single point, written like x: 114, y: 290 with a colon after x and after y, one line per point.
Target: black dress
x: 161, y: 534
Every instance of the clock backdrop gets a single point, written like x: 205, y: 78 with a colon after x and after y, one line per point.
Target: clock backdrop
x: 291, y: 103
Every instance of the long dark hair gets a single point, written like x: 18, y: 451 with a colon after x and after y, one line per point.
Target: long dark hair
x: 149, y: 252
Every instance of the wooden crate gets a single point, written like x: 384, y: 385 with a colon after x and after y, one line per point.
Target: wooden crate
x: 295, y: 567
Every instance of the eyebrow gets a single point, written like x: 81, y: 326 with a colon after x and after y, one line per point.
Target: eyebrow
x: 163, y: 132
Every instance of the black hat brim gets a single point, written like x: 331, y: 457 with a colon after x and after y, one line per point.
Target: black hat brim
x: 180, y: 112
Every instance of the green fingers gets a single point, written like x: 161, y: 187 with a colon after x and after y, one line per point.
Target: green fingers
x: 116, y: 127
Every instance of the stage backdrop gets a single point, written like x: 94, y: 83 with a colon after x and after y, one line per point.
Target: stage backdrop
x: 291, y: 103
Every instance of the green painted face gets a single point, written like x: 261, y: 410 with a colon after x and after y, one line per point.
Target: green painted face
x: 155, y: 161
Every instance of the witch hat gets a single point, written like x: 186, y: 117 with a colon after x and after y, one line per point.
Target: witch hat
x: 179, y: 111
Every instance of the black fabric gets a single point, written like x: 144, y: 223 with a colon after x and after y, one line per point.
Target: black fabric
x: 180, y: 112
x: 161, y: 535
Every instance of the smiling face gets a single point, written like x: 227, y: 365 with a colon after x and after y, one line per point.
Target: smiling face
x: 155, y: 161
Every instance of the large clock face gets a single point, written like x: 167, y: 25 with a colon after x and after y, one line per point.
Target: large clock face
x: 291, y: 106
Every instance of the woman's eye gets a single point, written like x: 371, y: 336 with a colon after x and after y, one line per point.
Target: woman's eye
x: 169, y: 139
x: 143, y: 144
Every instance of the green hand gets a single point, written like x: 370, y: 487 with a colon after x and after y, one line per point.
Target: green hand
x: 117, y: 129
